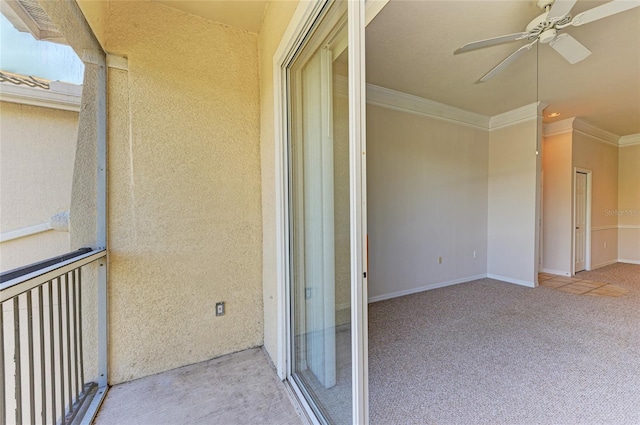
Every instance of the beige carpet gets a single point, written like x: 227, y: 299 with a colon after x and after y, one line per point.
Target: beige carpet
x: 489, y: 352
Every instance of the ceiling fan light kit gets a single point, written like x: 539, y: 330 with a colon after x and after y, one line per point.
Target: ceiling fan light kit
x: 545, y: 29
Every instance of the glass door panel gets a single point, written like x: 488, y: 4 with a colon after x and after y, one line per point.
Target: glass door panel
x: 320, y: 219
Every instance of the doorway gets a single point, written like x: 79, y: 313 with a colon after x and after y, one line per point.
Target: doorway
x: 582, y: 220
x: 319, y: 70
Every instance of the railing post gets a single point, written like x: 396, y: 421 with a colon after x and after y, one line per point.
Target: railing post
x: 102, y: 322
x: 101, y: 204
x: 16, y: 360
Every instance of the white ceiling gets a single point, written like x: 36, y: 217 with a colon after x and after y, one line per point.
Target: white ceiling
x: 410, y: 48
x: 243, y: 14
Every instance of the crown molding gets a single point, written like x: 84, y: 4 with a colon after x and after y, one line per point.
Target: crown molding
x: 60, y: 95
x: 629, y: 140
x: 392, y: 99
x: 515, y: 116
x: 558, y: 127
x: 569, y: 125
x: 593, y: 131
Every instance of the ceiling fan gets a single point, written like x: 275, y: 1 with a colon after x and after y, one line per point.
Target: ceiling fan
x: 546, y: 30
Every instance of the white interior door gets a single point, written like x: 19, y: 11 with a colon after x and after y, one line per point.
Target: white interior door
x: 580, y: 220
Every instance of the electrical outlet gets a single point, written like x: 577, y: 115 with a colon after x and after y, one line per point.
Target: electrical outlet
x: 605, y: 244
x: 475, y: 254
x: 220, y: 308
x: 439, y: 260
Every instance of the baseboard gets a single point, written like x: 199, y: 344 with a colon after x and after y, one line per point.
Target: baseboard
x: 557, y: 272
x: 510, y: 280
x: 424, y: 288
x: 622, y: 260
x: 606, y: 263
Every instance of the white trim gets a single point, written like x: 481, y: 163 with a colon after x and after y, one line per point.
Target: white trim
x: 425, y: 288
x: 622, y: 260
x: 399, y: 101
x: 291, y: 39
x: 596, y: 138
x: 404, y: 102
x: 559, y: 127
x: 593, y: 131
x: 576, y: 124
x: 515, y: 116
x: 358, y: 212
x: 629, y: 140
x: 606, y: 263
x: 24, y: 232
x: 556, y: 272
x: 372, y: 8
x: 601, y: 228
x: 510, y: 280
x: 64, y: 96
x: 118, y: 62
x: 629, y: 226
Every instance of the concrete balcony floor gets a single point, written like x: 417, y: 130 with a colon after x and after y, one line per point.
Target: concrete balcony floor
x: 240, y: 388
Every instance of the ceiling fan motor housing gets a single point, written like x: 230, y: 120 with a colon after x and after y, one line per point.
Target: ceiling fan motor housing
x: 538, y: 24
x: 547, y: 35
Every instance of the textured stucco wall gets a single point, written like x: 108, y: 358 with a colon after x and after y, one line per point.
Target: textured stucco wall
x: 37, y: 150
x: 275, y: 21
x: 184, y: 190
x: 83, y: 212
x: 95, y: 12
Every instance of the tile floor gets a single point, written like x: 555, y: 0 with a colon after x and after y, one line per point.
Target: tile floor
x: 579, y: 286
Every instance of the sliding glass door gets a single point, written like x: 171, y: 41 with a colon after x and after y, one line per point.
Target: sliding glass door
x: 321, y: 205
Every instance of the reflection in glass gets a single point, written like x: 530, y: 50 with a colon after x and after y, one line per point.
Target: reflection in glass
x: 320, y: 240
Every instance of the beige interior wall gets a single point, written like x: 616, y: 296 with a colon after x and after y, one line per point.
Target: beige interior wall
x: 184, y: 190
x: 427, y: 198
x: 276, y: 18
x: 557, y: 204
x: 601, y: 158
x: 512, y: 223
x: 37, y: 151
x: 629, y: 204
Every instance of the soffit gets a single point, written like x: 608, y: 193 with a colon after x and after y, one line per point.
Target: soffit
x: 410, y: 48
x: 28, y: 16
x: 243, y: 14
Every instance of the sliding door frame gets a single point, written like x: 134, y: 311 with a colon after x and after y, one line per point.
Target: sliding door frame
x: 302, y: 22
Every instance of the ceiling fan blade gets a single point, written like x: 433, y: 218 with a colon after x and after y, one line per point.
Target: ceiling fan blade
x: 602, y: 11
x: 569, y: 48
x: 505, y: 63
x: 560, y: 9
x: 481, y: 44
